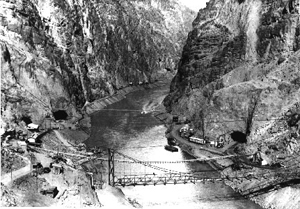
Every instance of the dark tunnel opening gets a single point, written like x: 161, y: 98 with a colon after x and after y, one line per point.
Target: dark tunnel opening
x: 26, y: 119
x: 60, y: 115
x: 238, y: 137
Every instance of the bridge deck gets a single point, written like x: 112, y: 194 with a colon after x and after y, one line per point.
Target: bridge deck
x: 170, y: 178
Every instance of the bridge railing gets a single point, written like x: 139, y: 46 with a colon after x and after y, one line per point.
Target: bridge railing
x: 162, y: 179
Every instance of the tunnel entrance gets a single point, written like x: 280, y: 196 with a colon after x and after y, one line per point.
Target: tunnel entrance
x: 26, y: 119
x: 60, y: 115
x: 238, y: 137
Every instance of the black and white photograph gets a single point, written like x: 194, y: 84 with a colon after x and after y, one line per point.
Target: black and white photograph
x: 154, y: 104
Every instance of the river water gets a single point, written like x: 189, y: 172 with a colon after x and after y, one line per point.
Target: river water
x: 121, y: 126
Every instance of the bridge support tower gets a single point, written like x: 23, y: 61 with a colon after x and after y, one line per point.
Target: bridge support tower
x: 111, y: 168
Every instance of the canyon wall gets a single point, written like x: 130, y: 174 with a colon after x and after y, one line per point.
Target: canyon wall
x: 240, y: 72
x: 63, y: 54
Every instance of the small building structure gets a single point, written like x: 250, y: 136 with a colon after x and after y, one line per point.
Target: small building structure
x: 57, y: 169
x: 31, y: 140
x: 213, y: 143
x: 185, y: 128
x: 37, y: 169
x: 175, y: 118
x: 32, y: 126
x: 34, y: 141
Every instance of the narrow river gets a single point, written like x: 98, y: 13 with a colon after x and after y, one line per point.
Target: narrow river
x: 122, y: 127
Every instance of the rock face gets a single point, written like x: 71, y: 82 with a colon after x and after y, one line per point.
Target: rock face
x: 240, y: 65
x: 61, y: 54
x: 240, y: 71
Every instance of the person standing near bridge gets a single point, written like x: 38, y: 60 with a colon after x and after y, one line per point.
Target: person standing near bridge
x: 257, y: 156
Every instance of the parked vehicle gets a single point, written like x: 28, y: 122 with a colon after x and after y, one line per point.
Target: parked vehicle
x: 197, y: 140
x: 52, y: 192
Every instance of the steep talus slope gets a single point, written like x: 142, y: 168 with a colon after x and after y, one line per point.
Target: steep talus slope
x: 60, y: 54
x: 240, y: 71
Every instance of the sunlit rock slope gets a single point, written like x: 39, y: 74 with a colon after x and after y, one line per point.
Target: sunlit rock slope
x: 240, y: 71
x: 241, y: 65
x: 60, y: 54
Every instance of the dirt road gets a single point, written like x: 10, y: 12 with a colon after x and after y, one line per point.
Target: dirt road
x: 7, y: 178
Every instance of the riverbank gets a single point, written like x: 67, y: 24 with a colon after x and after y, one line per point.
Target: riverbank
x: 67, y: 140
x: 125, y: 128
x: 274, y: 196
x: 97, y: 105
x: 100, y: 104
x: 191, y: 148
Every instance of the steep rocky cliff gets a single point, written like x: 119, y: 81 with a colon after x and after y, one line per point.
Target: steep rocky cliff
x: 240, y: 71
x: 240, y: 65
x: 61, y: 54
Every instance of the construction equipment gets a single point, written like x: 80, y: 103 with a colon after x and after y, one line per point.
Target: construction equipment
x: 52, y: 192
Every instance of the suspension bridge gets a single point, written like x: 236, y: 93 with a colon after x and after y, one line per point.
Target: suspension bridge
x: 163, y: 175
x: 123, y: 170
